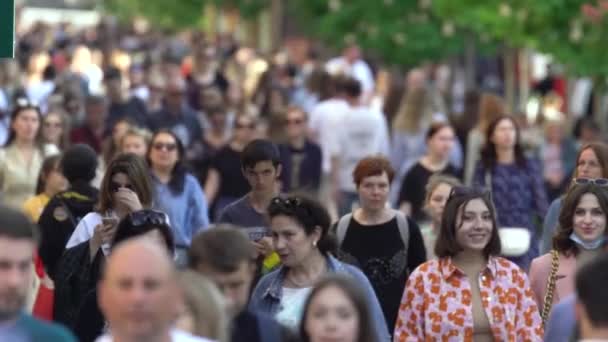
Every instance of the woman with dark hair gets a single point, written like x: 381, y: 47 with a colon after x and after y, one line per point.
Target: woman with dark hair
x: 336, y: 310
x: 468, y: 293
x: 22, y: 156
x: 300, y: 235
x: 178, y: 192
x: 143, y: 224
x: 515, y: 181
x: 591, y: 162
x: 580, y: 236
x: 50, y: 182
x: 440, y: 141
x: 126, y: 188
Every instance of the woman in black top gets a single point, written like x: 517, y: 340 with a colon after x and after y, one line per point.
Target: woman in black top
x: 440, y: 141
x: 373, y: 240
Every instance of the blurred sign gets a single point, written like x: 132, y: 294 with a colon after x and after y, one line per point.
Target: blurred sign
x: 7, y: 28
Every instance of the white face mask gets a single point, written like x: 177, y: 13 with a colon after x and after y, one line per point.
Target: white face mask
x: 593, y: 245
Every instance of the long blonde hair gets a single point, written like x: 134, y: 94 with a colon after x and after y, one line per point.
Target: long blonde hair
x: 413, y: 111
x: 206, y: 304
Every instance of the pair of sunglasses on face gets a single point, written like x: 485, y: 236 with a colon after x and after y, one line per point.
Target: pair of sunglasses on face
x: 603, y: 182
x: 115, y: 187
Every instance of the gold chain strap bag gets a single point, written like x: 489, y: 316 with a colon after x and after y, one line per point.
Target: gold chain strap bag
x: 548, y: 300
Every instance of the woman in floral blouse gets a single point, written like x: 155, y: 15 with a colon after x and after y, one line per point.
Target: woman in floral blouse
x: 468, y: 293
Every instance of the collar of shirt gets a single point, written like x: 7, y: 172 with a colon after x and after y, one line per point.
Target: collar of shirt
x: 448, y: 269
x: 275, y: 288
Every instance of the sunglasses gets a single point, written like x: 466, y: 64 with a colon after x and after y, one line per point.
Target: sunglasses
x: 148, y: 217
x: 290, y: 202
x: 24, y: 102
x: 597, y: 181
x: 241, y: 126
x: 160, y: 146
x: 459, y: 191
x: 294, y: 122
x: 114, y: 187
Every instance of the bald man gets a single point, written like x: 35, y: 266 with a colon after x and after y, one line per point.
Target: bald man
x: 138, y: 295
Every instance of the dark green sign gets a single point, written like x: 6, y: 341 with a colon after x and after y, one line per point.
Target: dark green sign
x: 7, y: 28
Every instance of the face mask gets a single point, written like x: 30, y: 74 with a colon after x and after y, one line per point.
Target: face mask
x: 588, y: 245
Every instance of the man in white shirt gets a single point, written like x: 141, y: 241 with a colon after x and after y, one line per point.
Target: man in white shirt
x: 592, y: 300
x: 362, y: 132
x: 139, y: 296
x: 351, y: 64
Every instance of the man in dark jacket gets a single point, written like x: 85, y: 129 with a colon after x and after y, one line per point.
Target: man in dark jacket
x: 63, y: 212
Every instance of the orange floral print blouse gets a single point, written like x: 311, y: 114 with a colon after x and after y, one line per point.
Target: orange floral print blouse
x: 437, y: 303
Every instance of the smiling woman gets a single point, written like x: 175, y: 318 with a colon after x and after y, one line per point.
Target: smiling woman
x: 581, y: 235
x: 468, y: 293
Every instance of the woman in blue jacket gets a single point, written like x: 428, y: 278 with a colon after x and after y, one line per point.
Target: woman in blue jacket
x: 300, y: 235
x: 178, y: 193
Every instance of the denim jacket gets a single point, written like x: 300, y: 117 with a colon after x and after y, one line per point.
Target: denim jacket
x: 267, y: 295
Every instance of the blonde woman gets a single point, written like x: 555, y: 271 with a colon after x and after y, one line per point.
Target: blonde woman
x: 203, y: 311
x: 437, y: 190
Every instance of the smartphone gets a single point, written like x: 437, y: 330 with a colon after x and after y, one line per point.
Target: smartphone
x: 110, y: 221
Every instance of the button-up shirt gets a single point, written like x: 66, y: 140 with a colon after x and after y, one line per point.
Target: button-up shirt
x: 437, y: 303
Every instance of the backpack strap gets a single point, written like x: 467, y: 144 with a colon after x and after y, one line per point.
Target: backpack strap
x: 342, y: 227
x: 404, y: 228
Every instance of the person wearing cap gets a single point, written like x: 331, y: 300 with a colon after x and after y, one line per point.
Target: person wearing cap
x: 63, y: 212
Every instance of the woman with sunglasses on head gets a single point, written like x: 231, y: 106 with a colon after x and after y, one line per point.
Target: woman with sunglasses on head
x: 178, y: 193
x: 300, y: 236
x: 515, y: 181
x: 126, y: 187
x: 225, y: 181
x: 468, y: 293
x: 22, y: 156
x: 580, y: 236
x: 337, y: 310
x: 591, y: 162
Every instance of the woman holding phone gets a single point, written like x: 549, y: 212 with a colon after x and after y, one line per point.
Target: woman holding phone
x: 126, y: 188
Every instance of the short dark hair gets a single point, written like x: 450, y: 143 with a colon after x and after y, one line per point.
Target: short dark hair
x: 435, y: 128
x: 446, y: 244
x: 352, y: 87
x: 139, y: 223
x: 79, y: 162
x: 372, y: 166
x: 15, y: 225
x: 223, y: 248
x: 591, y: 282
x: 309, y: 214
x: 260, y: 150
x: 355, y: 294
x: 561, y: 239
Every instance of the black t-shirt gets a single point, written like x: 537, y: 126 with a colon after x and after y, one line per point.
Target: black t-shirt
x: 228, y: 163
x: 413, y: 188
x: 379, y: 252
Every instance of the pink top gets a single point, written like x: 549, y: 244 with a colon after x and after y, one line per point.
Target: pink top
x: 539, y: 275
x: 437, y: 306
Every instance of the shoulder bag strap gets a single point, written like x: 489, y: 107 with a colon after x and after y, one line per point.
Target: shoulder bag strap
x: 404, y: 229
x: 342, y: 228
x: 548, y: 300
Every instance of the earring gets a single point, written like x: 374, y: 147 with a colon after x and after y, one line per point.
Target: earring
x: 314, y: 243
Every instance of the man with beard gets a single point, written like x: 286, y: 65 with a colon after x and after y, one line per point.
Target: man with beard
x: 18, y: 241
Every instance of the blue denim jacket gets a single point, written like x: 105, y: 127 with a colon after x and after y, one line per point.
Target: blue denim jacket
x: 267, y: 295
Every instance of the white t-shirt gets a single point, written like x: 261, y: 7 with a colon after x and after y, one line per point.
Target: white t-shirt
x: 292, y: 306
x: 176, y: 336
x: 324, y: 119
x: 84, y: 231
x: 363, y: 132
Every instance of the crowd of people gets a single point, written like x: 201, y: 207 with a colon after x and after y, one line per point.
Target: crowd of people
x: 188, y: 189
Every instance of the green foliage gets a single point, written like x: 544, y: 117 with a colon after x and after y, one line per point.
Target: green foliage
x: 161, y: 13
